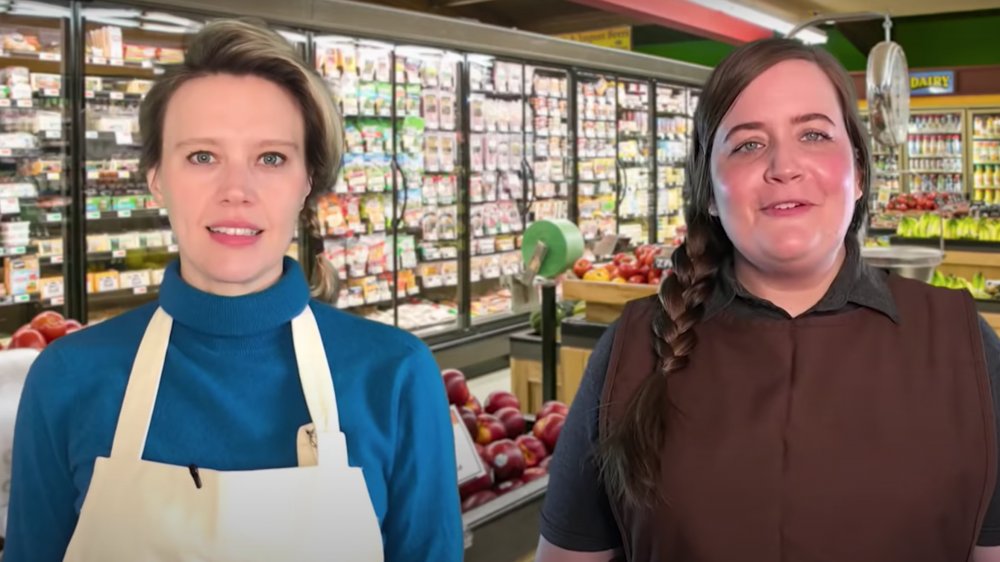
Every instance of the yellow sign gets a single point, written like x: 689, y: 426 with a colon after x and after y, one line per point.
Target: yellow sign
x: 612, y: 37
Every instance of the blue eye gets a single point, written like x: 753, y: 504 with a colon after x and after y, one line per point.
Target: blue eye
x: 816, y: 136
x: 749, y: 146
x: 272, y: 159
x: 201, y: 157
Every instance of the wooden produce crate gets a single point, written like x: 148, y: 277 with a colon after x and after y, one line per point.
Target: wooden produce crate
x: 605, y: 301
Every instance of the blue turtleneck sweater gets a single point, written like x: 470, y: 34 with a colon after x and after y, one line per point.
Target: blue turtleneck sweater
x: 230, y: 399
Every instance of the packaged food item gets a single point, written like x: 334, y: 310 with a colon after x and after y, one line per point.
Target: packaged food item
x: 21, y: 275
x: 51, y: 288
x: 449, y: 273
x: 133, y: 279
x: 105, y: 281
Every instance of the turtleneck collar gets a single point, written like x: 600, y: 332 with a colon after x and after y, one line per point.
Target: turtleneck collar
x: 235, y: 316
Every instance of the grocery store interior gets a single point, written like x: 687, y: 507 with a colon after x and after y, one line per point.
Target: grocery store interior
x: 474, y: 130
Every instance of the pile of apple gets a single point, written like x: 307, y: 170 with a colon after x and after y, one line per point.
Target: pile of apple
x: 637, y: 268
x: 513, y: 455
x: 43, y: 329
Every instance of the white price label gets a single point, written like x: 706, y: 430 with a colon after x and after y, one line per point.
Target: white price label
x: 58, y: 301
x: 25, y: 103
x: 99, y: 60
x: 116, y: 62
x: 93, y: 135
x: 50, y: 92
x: 53, y: 217
x: 118, y: 254
x: 163, y: 212
x: 123, y: 138
x: 172, y: 248
x: 124, y: 213
x: 56, y: 259
x: 116, y: 95
x: 50, y: 134
x: 93, y: 215
x: 468, y: 461
x: 10, y: 206
x: 50, y: 56
x: 147, y: 64
x: 140, y: 290
x: 5, y: 103
x: 18, y: 251
x: 6, y: 152
x: 53, y: 176
x: 22, y: 298
x: 89, y: 94
x: 124, y: 174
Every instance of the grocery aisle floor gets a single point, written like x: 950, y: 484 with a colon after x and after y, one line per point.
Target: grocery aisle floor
x: 482, y: 386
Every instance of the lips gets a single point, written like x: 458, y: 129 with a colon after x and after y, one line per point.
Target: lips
x: 235, y: 228
x: 786, y: 205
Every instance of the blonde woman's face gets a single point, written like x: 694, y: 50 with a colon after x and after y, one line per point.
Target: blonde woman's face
x: 233, y: 179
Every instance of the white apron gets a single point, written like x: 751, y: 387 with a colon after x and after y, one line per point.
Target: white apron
x: 142, y: 511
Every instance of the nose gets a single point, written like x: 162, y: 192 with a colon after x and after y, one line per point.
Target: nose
x: 783, y: 165
x: 236, y: 187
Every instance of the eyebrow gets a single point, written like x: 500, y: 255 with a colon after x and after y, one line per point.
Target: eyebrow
x: 212, y: 142
x: 797, y: 120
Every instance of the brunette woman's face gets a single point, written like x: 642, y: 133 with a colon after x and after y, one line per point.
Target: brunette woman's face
x: 233, y: 177
x: 785, y: 180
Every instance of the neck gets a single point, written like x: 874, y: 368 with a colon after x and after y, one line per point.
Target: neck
x: 794, y: 293
x: 192, y: 276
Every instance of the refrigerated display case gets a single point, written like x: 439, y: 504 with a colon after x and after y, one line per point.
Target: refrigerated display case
x: 634, y: 160
x: 674, y: 111
x: 889, y: 167
x: 935, y: 154
x: 985, y: 155
x: 597, y: 177
x: 547, y: 144
x: 34, y: 172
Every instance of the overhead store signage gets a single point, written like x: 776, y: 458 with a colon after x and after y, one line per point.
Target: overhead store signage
x: 612, y: 37
x: 932, y: 83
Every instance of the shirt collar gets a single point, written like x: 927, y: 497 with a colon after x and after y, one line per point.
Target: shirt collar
x: 856, y: 283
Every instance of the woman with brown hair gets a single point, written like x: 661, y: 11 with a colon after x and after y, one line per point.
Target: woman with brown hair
x: 235, y: 418
x: 779, y: 399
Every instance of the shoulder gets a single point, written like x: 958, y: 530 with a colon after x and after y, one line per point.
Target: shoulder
x: 920, y: 302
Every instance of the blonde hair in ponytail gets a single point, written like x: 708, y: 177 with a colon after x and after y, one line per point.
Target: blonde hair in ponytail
x: 629, y: 455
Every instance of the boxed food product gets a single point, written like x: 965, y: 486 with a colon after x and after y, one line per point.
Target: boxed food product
x: 105, y: 281
x: 40, y: 81
x: 21, y: 275
x: 51, y: 287
x: 50, y: 247
x: 98, y: 243
x: 156, y: 276
x: 133, y: 279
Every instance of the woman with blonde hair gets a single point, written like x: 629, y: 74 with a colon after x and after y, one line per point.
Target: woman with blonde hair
x: 235, y: 418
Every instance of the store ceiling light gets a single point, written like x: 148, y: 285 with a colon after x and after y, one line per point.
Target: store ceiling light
x: 756, y: 17
x: 167, y: 28
x: 115, y: 21
x: 35, y: 9
x: 91, y: 13
x: 292, y: 36
x: 160, y: 17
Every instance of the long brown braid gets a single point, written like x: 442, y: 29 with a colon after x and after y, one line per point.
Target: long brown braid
x: 629, y: 455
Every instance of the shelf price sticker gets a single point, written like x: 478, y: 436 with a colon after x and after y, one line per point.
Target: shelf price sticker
x: 22, y: 298
x: 53, y: 217
x: 50, y: 56
x: 10, y: 206
x: 6, y: 152
x: 124, y: 174
x: 118, y: 254
x: 98, y: 60
x: 51, y: 92
x: 93, y: 175
x: 124, y: 213
x: 163, y: 212
x: 147, y: 64
x: 18, y: 251
x: 468, y: 461
x: 172, y: 248
x: 93, y: 215
x: 93, y: 135
x: 5, y: 103
x: 53, y: 134
x: 56, y: 259
x: 123, y: 138
x: 53, y: 176
x: 118, y: 96
x: 116, y: 62
x: 140, y: 290
x: 58, y: 301
x: 25, y: 103
x: 89, y: 94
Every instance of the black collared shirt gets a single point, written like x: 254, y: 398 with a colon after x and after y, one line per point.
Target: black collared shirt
x: 577, y: 515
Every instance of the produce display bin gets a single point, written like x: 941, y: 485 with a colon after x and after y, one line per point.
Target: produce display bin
x: 506, y: 529
x: 605, y: 301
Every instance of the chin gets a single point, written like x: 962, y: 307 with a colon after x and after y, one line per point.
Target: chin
x: 236, y: 270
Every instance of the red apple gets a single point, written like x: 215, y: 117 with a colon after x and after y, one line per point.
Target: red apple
x: 552, y: 407
x: 469, y: 419
x: 501, y: 399
x: 72, y: 326
x: 27, y: 338
x: 489, y: 429
x: 512, y: 420
x: 533, y: 473
x: 533, y: 450
x: 507, y: 486
x: 455, y: 385
x: 478, y: 499
x: 547, y: 429
x: 484, y: 482
x: 50, y: 324
x: 474, y: 405
x: 506, y: 459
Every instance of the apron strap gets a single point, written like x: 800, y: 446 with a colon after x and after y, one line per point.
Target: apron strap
x: 140, y: 391
x: 314, y: 372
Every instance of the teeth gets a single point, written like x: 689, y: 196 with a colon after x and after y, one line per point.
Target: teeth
x: 784, y: 206
x: 234, y: 231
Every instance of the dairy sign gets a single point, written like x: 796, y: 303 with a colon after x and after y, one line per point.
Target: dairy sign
x: 932, y: 83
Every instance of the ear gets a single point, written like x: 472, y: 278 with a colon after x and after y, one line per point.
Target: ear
x: 153, y: 181
x: 712, y: 209
x: 858, y: 192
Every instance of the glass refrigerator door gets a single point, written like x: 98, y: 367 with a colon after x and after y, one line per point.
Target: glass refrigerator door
x: 129, y: 241
x: 428, y: 155
x: 497, y: 170
x: 887, y: 180
x: 986, y: 156
x: 34, y: 196
x: 634, y: 160
x: 597, y: 178
x: 935, y: 152
x: 673, y: 125
x: 356, y: 214
x: 547, y: 147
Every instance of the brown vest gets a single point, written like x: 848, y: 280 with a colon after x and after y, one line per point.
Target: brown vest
x: 840, y: 438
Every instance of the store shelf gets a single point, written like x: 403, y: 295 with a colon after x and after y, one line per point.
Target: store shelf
x: 511, y: 501
x: 122, y: 296
x: 956, y: 245
x: 126, y: 214
x: 18, y: 300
